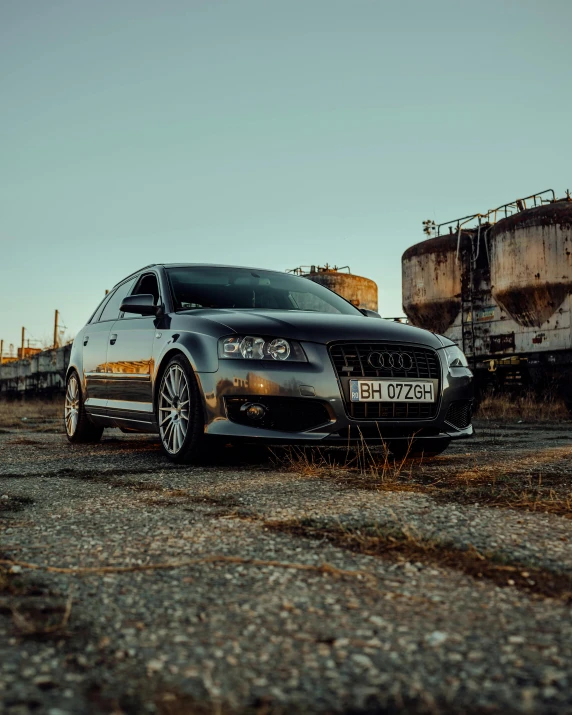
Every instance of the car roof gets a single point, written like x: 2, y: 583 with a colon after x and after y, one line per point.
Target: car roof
x: 216, y: 265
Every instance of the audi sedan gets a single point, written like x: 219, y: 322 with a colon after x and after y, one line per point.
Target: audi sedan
x: 207, y: 353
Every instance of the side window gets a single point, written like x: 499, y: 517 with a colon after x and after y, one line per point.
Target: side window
x: 111, y: 310
x: 148, y: 284
x: 95, y: 315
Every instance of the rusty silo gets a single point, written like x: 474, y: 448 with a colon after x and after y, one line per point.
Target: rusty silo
x: 360, y: 291
x: 531, y: 262
x: 432, y: 282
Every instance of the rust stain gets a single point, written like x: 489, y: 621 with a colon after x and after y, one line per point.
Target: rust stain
x: 532, y: 306
x: 436, y: 316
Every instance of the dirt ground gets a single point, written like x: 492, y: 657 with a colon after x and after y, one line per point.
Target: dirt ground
x: 285, y: 582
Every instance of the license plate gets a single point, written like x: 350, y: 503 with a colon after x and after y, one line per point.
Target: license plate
x: 391, y: 391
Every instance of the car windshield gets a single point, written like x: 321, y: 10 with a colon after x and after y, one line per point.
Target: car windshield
x: 244, y: 288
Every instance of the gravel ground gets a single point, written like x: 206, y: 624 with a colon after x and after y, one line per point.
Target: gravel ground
x: 256, y: 623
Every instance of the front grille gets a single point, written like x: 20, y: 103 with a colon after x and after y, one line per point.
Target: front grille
x: 287, y: 414
x: 351, y: 361
x: 391, y: 410
x: 459, y: 414
x: 424, y: 361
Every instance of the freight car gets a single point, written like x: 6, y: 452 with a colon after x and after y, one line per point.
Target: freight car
x: 499, y: 284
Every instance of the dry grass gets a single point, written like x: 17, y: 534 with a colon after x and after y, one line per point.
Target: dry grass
x: 495, y: 486
x: 360, y: 466
x: 32, y: 414
x: 527, y: 407
x: 400, y: 543
x: 323, y: 568
x: 373, y: 464
x: 536, y: 483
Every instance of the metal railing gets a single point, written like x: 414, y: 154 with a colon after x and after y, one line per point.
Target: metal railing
x: 492, y: 216
x: 520, y: 205
x: 326, y: 268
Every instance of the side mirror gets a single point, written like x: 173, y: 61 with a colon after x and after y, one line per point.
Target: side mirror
x: 143, y: 304
x: 369, y: 313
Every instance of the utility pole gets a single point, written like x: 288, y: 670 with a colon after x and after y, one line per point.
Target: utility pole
x: 23, y: 346
x: 1, y: 350
x: 56, y: 336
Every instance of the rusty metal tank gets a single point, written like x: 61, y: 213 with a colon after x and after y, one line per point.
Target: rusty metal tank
x: 360, y: 291
x: 431, y: 280
x: 531, y: 262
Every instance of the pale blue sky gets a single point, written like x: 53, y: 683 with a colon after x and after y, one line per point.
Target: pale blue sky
x: 266, y: 133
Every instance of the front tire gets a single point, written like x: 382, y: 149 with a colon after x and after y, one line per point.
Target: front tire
x: 79, y: 429
x: 180, y: 412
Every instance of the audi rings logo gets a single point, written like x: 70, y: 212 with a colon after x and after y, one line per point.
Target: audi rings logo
x: 390, y: 361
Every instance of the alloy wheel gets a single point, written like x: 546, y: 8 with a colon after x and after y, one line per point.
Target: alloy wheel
x: 71, y: 411
x: 174, y: 403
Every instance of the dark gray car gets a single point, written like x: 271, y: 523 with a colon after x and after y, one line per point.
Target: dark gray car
x: 197, y: 352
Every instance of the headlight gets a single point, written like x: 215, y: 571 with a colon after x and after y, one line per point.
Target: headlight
x: 455, y: 357
x: 253, y: 347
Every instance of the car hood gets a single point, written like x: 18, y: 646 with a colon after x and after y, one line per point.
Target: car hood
x: 315, y: 327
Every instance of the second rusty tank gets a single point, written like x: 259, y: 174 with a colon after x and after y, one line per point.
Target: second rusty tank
x: 432, y: 283
x: 360, y: 291
x: 531, y: 261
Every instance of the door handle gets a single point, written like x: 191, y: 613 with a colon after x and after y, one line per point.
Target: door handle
x: 113, y: 338
x: 85, y: 340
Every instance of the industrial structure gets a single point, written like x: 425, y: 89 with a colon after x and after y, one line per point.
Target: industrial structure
x: 43, y: 373
x: 33, y: 370
x: 499, y: 284
x: 359, y: 291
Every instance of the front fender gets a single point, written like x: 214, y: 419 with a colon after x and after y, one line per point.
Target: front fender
x: 200, y: 349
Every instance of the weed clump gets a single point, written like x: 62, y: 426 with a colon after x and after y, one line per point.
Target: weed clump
x: 372, y: 466
x: 33, y: 414
x: 528, y: 407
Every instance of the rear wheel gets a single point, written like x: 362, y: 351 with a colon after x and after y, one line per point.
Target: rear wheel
x: 180, y: 413
x: 78, y: 426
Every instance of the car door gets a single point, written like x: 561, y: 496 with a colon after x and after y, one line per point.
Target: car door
x: 130, y: 359
x: 95, y: 343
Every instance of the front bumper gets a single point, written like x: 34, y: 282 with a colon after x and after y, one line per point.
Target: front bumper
x: 246, y: 378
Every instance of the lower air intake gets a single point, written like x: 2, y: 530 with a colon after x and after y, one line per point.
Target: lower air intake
x: 459, y: 414
x: 287, y: 414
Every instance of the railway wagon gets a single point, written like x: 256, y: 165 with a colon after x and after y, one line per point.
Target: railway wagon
x: 499, y: 284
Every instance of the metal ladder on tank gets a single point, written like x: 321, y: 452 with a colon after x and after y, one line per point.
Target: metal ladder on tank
x: 467, y: 254
x: 467, y: 306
